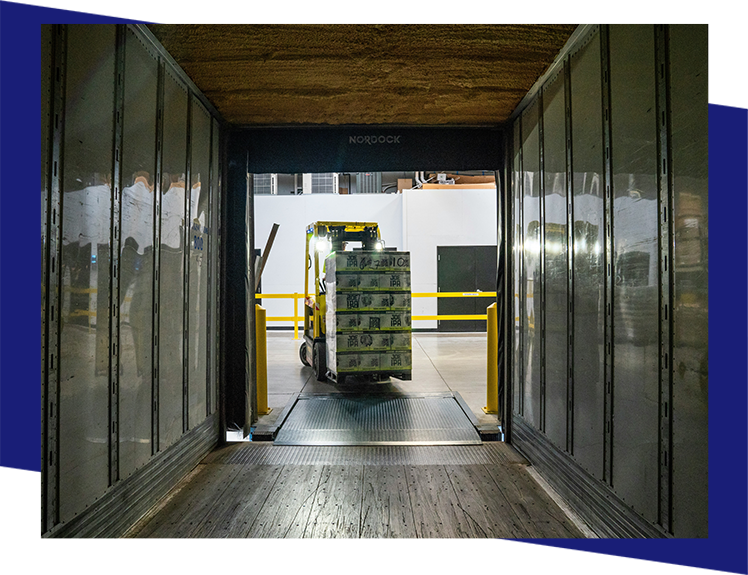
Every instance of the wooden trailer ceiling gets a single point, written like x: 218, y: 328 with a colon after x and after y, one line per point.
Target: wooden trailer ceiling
x: 364, y: 74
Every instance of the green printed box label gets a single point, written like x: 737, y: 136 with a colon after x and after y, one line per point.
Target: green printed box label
x: 347, y: 321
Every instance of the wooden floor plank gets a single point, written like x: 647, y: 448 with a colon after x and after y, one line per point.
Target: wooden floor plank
x: 386, y: 510
x: 237, y: 510
x: 336, y: 511
x: 436, y: 509
x: 484, y: 504
x: 265, y: 497
x: 287, y: 508
x: 185, y: 511
x: 536, y: 510
x: 506, y: 453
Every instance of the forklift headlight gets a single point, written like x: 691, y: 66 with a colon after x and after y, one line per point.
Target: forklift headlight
x: 322, y: 244
x: 379, y: 246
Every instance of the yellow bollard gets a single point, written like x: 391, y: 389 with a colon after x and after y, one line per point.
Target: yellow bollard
x: 492, y: 379
x: 296, y: 315
x: 262, y: 360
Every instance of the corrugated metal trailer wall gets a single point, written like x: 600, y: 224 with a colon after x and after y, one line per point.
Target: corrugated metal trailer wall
x: 130, y: 213
x: 609, y: 350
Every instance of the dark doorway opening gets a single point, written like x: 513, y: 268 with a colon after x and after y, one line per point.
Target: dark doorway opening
x: 465, y: 269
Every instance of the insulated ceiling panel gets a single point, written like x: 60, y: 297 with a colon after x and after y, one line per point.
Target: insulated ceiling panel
x: 364, y: 74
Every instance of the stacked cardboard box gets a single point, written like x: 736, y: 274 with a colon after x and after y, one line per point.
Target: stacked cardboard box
x: 368, y: 313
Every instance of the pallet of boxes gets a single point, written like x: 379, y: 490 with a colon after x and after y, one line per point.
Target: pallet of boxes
x: 368, y: 314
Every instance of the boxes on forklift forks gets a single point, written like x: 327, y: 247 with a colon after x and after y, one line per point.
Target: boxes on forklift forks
x: 393, y: 361
x: 372, y: 301
x: 372, y: 281
x: 368, y: 320
x: 373, y: 341
x: 358, y: 261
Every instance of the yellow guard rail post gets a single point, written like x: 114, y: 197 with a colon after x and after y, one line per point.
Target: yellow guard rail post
x: 492, y: 372
x: 261, y: 362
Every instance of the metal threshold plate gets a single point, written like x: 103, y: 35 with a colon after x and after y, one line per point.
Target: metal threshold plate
x: 342, y: 419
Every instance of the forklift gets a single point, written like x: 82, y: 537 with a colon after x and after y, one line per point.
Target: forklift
x: 325, y: 239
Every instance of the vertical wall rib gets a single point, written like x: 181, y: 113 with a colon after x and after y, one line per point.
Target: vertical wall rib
x: 665, y: 209
x: 504, y: 280
x: 569, y: 259
x: 521, y: 256
x: 225, y: 323
x: 609, y: 259
x: 541, y: 262
x: 186, y: 267
x: 52, y: 261
x: 209, y: 318
x: 47, y: 56
x: 114, y: 261
x: 157, y: 201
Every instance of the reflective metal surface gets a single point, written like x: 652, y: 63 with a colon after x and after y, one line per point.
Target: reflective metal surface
x: 638, y: 320
x: 532, y: 280
x: 556, y: 265
x: 86, y: 203
x: 136, y: 259
x: 214, y: 254
x: 99, y: 162
x: 635, y: 233
x: 589, y: 273
x: 377, y: 419
x: 689, y: 121
x: 171, y: 274
x: 517, y: 242
x: 47, y: 47
x: 198, y: 270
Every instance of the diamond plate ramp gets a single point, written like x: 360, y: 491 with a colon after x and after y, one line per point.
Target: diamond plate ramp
x: 343, y: 419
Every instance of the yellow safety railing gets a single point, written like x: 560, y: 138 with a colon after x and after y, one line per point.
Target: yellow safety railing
x: 296, y: 318
x: 261, y: 363
x: 452, y: 294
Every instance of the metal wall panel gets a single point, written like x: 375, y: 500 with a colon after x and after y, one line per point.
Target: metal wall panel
x: 171, y: 273
x: 635, y: 233
x: 531, y: 255
x: 47, y: 56
x: 136, y: 260
x: 198, y: 268
x: 104, y: 246
x: 589, y: 273
x: 690, y: 179
x: 632, y: 147
x: 556, y: 264
x: 86, y: 207
x: 214, y: 251
x: 517, y: 393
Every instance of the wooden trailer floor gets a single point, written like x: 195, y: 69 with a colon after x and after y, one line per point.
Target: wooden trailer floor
x: 264, y: 490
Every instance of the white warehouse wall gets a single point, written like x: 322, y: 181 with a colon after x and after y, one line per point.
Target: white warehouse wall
x: 284, y: 271
x: 415, y: 220
x: 433, y: 218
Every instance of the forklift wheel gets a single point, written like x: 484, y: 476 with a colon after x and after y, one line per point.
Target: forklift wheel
x: 302, y: 355
x: 320, y: 365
